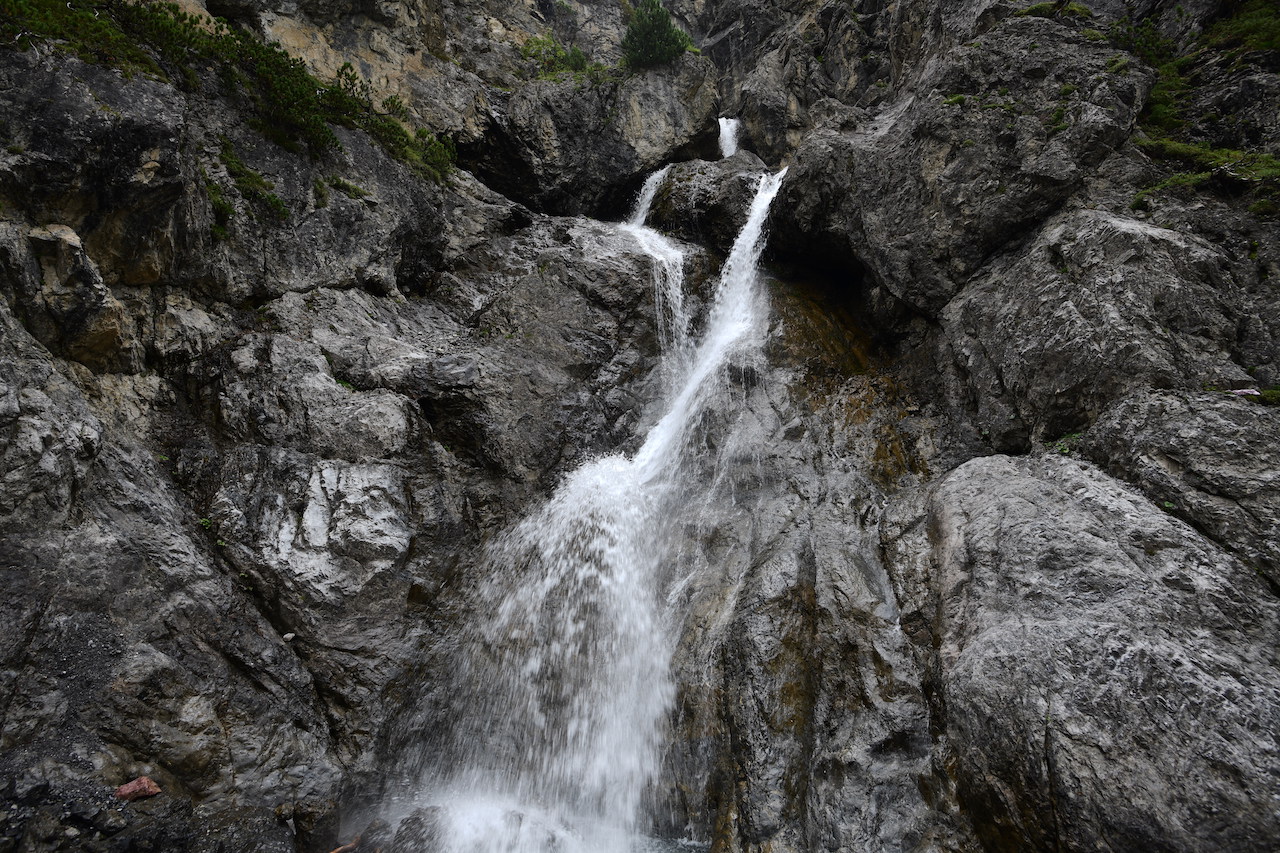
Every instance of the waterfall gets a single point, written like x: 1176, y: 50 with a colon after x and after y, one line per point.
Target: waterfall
x: 729, y: 136
x: 668, y: 261
x: 568, y: 685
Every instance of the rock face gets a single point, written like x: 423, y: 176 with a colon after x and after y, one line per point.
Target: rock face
x: 706, y: 202
x: 1206, y: 458
x: 956, y: 169
x: 569, y: 146
x: 222, y: 456
x: 1058, y: 578
x: 991, y: 560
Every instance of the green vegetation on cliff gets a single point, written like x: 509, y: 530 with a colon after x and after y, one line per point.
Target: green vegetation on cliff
x: 553, y: 57
x: 652, y: 37
x: 1252, y: 28
x: 251, y: 185
x: 554, y: 61
x: 284, y: 101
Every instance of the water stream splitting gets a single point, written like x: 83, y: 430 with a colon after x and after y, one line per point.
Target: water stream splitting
x: 567, y: 677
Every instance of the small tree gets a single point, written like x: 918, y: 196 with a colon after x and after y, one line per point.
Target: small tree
x: 652, y: 37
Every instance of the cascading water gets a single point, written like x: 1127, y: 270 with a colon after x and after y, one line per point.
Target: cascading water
x: 729, y: 136
x: 568, y: 683
x: 668, y: 262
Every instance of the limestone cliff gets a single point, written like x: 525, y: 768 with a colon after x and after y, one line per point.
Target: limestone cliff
x: 999, y: 571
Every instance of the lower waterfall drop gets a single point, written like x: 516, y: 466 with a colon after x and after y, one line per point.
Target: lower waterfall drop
x: 567, y: 677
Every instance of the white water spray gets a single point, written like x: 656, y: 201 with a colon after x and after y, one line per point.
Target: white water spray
x: 570, y: 676
x: 729, y: 136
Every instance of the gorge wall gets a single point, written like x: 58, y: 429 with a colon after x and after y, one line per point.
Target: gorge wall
x: 990, y: 561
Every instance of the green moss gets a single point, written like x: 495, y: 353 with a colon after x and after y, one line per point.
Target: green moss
x: 223, y: 210
x: 251, y: 185
x: 954, y: 101
x: 1067, y: 444
x: 1250, y: 26
x: 1181, y: 181
x: 347, y: 188
x: 283, y: 100
x: 1118, y: 64
x: 1057, y: 10
x: 1254, y: 166
x: 1058, y: 120
x: 1164, y: 109
x: 320, y: 192
x: 1254, y: 26
x: 1270, y: 397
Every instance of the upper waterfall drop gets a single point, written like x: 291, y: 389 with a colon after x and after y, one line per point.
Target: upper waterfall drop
x: 668, y: 262
x: 567, y: 667
x: 729, y: 136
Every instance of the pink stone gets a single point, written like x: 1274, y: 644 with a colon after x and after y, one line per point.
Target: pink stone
x: 137, y: 789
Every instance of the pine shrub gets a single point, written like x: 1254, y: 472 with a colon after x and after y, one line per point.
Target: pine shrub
x: 652, y: 37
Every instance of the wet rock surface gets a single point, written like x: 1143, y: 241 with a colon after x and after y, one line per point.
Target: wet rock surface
x: 706, y: 202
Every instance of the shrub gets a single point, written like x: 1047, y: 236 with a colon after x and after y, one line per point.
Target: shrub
x: 223, y: 210
x: 347, y: 188
x: 652, y: 37
x: 553, y: 57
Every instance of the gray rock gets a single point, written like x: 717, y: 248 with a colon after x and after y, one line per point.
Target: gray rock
x: 1105, y: 674
x: 1209, y: 459
x: 707, y: 202
x: 301, y: 431
x: 245, y: 478
x: 572, y: 145
x: 420, y: 831
x: 1095, y: 306
x: 990, y: 141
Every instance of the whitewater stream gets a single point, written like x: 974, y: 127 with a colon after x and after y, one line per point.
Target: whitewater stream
x: 729, y: 136
x: 566, y: 681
